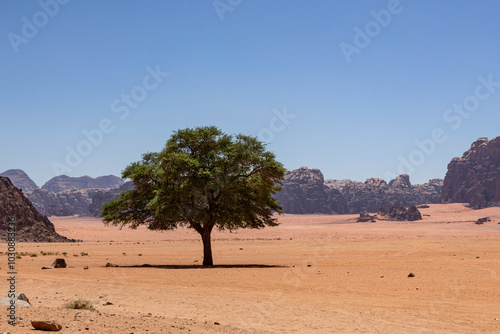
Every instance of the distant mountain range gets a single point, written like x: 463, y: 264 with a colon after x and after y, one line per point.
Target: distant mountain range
x: 474, y: 178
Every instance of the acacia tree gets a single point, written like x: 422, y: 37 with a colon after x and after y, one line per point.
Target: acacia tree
x: 202, y: 179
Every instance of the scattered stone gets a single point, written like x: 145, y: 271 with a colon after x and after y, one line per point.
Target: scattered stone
x: 85, y: 268
x: 108, y: 303
x: 46, y: 325
x: 381, y: 276
x: 58, y: 263
x: 308, y: 265
x: 411, y: 275
x: 58, y: 293
x: 481, y: 221
x: 111, y: 265
x: 241, y: 248
x: 216, y: 323
x: 364, y: 217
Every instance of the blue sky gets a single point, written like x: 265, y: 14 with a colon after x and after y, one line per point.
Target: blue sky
x: 274, y: 69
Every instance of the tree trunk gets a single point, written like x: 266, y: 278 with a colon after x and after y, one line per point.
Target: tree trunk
x: 207, y: 247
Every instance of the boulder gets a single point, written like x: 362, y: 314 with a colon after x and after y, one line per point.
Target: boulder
x: 46, y: 325
x: 58, y: 263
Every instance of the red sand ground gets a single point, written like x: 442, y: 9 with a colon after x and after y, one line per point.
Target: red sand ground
x: 331, y: 276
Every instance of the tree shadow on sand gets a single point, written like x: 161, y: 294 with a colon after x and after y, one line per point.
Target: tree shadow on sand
x: 225, y: 266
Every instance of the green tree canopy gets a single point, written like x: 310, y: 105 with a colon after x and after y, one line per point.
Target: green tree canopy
x: 202, y: 179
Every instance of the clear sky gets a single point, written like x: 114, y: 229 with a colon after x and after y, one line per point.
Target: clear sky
x: 348, y: 87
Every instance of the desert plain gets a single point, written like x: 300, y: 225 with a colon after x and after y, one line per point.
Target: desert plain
x: 311, y: 274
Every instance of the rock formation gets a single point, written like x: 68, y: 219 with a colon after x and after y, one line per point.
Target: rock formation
x: 62, y: 183
x: 475, y: 177
x: 376, y: 193
x: 20, y: 179
x: 399, y: 213
x: 31, y: 225
x: 65, y: 203
x: 102, y: 197
x: 304, y: 192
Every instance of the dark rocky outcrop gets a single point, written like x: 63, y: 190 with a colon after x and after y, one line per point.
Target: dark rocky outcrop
x: 475, y: 177
x: 102, y: 197
x: 400, y: 213
x: 364, y: 217
x: 20, y: 179
x: 304, y: 192
x: 65, y: 203
x: 375, y: 193
x: 31, y: 225
x: 64, y: 183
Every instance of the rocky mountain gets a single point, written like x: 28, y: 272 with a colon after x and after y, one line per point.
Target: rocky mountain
x: 376, y: 193
x: 63, y: 183
x: 340, y: 184
x: 31, y: 225
x: 305, y: 191
x: 20, y: 179
x: 102, y: 197
x: 475, y: 177
x: 64, y: 203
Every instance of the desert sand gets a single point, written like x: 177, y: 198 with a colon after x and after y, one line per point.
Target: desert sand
x: 311, y: 274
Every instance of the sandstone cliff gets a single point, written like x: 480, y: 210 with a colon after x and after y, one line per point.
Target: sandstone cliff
x: 304, y: 192
x: 376, y: 193
x: 475, y: 177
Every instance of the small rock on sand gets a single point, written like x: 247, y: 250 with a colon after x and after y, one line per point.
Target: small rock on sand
x: 50, y: 325
x: 58, y: 263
